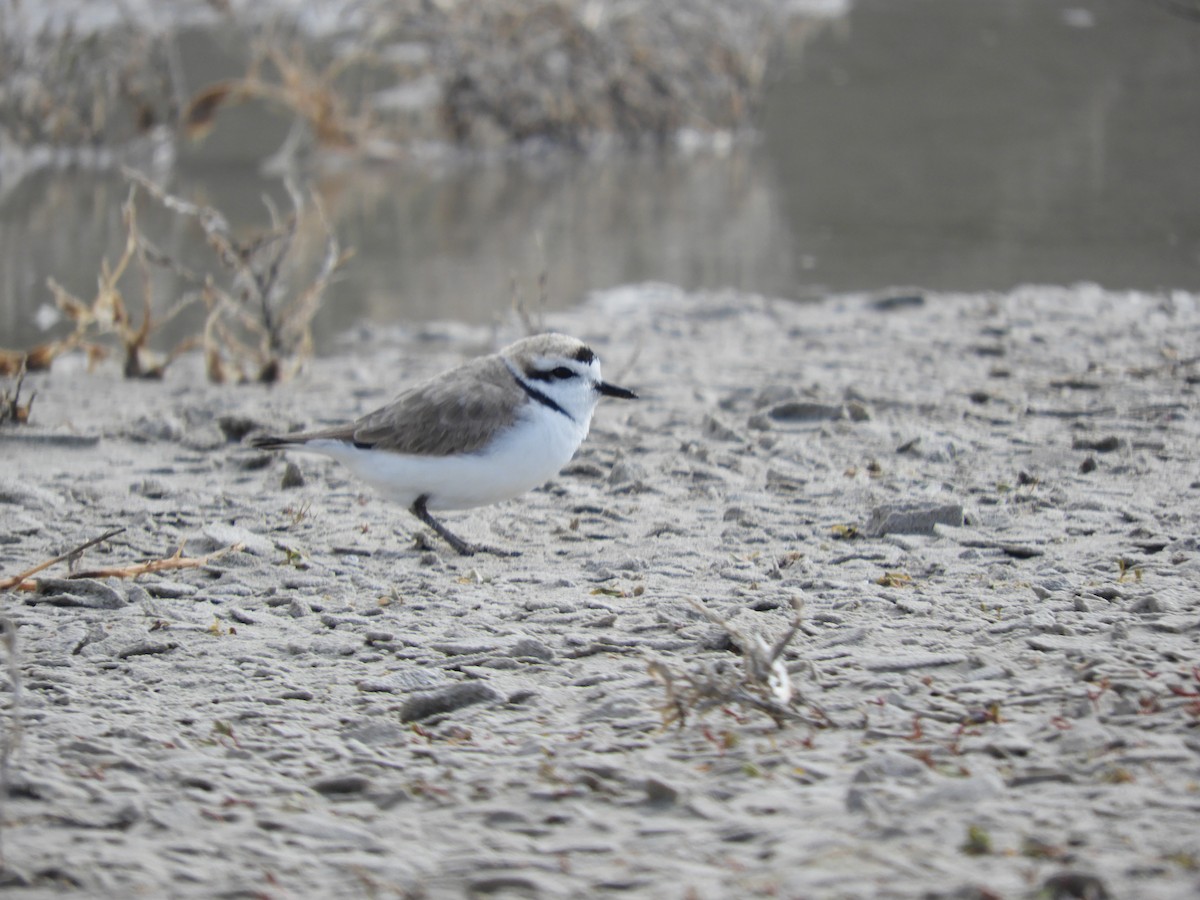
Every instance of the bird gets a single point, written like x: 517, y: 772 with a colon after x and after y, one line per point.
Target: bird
x: 485, y: 431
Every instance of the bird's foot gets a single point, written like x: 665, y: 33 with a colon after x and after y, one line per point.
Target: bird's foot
x: 425, y: 541
x: 461, y: 547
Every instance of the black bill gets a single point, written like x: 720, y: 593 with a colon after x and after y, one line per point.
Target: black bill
x: 611, y: 390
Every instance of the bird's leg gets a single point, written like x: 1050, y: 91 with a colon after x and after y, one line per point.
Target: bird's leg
x: 460, y: 546
x: 418, y: 509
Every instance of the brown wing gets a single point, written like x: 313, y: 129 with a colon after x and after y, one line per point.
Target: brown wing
x: 453, y: 413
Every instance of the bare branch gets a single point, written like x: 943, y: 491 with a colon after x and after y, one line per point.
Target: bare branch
x: 17, y: 580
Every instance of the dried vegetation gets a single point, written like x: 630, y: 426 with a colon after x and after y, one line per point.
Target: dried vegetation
x: 388, y: 74
x: 11, y: 409
x: 259, y: 300
x: 761, y: 682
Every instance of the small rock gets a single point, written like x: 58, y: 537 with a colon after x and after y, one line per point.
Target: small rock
x: 659, y: 793
x: 463, y: 649
x: 170, y: 590
x: 1106, y: 444
x: 1149, y: 604
x: 292, y: 477
x: 804, y: 411
x: 456, y: 696
x: 146, y: 648
x: 900, y: 301
x: 85, y: 592
x: 350, y: 783
x: 529, y: 647
x: 333, y: 646
x: 1073, y: 886
x: 1021, y: 551
x: 913, y: 518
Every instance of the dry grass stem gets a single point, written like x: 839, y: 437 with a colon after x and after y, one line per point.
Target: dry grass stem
x: 175, y: 561
x: 762, y: 681
x: 16, y: 581
x: 108, y: 314
x: 11, y: 409
x: 26, y: 582
x: 256, y: 328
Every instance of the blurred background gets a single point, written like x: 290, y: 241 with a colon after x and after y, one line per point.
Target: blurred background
x: 785, y: 149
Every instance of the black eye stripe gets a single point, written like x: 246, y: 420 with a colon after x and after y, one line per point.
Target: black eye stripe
x: 559, y: 373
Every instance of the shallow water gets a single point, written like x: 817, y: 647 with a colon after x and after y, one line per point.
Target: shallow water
x: 933, y: 143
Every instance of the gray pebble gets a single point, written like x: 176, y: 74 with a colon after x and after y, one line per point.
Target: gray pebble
x: 530, y: 647
x: 448, y: 699
x: 292, y: 477
x: 350, y: 783
x: 146, y: 648
x: 660, y: 793
x: 797, y: 411
x: 170, y: 590
x: 913, y: 518
x: 85, y: 592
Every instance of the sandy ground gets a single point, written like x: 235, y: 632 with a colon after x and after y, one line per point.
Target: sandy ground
x: 988, y: 505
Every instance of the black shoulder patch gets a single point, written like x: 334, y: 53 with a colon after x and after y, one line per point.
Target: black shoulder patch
x: 585, y: 355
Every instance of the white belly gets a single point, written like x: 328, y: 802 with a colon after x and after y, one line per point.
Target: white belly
x: 531, y: 452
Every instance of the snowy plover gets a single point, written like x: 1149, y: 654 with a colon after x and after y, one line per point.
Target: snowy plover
x: 486, y: 431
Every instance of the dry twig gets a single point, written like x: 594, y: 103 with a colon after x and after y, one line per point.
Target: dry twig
x: 108, y: 313
x: 763, y: 682
x: 175, y: 561
x: 17, y: 581
x: 11, y: 409
x: 24, y: 581
x: 256, y: 328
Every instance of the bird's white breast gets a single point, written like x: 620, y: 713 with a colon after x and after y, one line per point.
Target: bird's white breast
x: 530, y: 452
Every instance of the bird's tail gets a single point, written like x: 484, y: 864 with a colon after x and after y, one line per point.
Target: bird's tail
x: 277, y: 442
